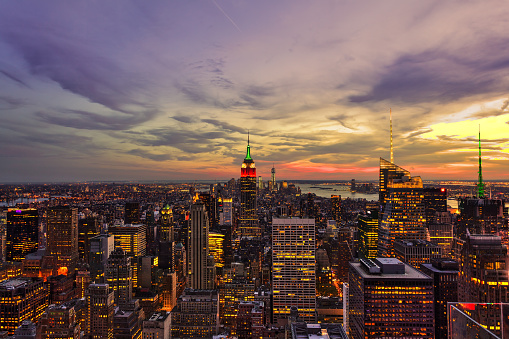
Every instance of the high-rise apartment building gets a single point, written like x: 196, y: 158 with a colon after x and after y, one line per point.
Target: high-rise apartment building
x: 131, y: 237
x: 201, y: 270
x: 87, y: 229
x: 22, y: 233
x: 157, y: 326
x: 249, y: 226
x: 389, y: 299
x: 132, y: 213
x: 336, y: 208
x: 21, y: 299
x: 444, y: 272
x: 100, y: 303
x: 62, y: 236
x: 368, y: 234
x: 293, y: 268
x: 100, y: 248
x: 119, y: 276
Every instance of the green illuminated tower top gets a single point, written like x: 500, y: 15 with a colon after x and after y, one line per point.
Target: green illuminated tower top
x: 480, y: 184
x: 248, y: 154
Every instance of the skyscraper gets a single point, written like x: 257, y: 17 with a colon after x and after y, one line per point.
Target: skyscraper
x: 132, y: 238
x: 62, y: 236
x: 483, y: 275
x: 336, y: 209
x: 402, y: 207
x: 100, y: 303
x: 132, y: 212
x: 119, y: 276
x: 273, y: 185
x: 368, y: 234
x: 389, y: 299
x: 22, y: 233
x: 293, y: 268
x: 100, y: 248
x: 248, y: 211
x: 200, y: 265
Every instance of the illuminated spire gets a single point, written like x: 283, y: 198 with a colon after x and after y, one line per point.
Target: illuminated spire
x: 248, y: 154
x: 392, y: 150
x: 480, y: 184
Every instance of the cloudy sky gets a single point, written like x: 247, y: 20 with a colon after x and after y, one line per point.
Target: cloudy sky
x: 161, y: 90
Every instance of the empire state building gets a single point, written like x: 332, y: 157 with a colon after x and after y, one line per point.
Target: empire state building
x: 248, y: 213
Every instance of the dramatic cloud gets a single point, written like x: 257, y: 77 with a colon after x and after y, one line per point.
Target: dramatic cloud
x: 169, y: 90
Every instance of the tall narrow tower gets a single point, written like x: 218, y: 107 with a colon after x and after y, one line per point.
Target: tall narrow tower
x: 273, y: 178
x: 248, y: 212
x: 480, y: 184
x: 62, y: 241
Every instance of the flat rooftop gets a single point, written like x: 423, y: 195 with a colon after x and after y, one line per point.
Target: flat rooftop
x: 410, y: 272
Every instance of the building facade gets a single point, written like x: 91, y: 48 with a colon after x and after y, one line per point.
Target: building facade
x: 293, y: 268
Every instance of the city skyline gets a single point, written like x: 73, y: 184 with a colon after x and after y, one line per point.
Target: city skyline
x: 168, y: 91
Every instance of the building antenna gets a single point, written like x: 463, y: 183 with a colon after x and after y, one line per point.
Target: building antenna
x: 248, y: 137
x: 480, y: 184
x: 392, y: 149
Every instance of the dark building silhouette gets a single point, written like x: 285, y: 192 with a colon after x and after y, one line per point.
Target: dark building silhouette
x: 62, y: 236
x: 22, y: 233
x: 132, y: 213
x: 444, y: 272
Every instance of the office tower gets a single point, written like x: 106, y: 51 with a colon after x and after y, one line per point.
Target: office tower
x: 273, y: 185
x: 465, y: 320
x: 248, y: 211
x: 250, y: 320
x: 166, y: 244
x: 22, y: 233
x: 216, y: 241
x: 201, y: 274
x: 483, y: 274
x: 157, y: 326
x: 87, y: 229
x: 336, y: 208
x: 196, y: 315
x: 166, y: 220
x: 119, y: 276
x: 442, y: 233
x: 444, y: 272
x: 368, y: 234
x: 293, y: 268
x: 226, y: 216
x: 100, y: 248
x: 231, y: 293
x: 389, y: 299
x: 416, y: 252
x: 21, y: 299
x: 131, y: 237
x: 435, y: 202
x: 310, y: 212
x: 401, y: 206
x: 168, y: 290
x: 60, y: 321
x: 100, y: 303
x: 260, y: 182
x: 62, y: 236
x: 132, y: 213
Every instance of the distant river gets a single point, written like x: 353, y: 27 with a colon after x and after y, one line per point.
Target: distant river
x: 344, y: 191
x: 334, y: 189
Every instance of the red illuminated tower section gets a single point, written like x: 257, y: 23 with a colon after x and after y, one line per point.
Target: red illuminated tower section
x: 248, y: 215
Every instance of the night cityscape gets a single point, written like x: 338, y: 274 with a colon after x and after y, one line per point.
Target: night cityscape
x: 234, y: 170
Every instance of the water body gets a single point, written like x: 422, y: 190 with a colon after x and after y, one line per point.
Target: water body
x: 334, y: 189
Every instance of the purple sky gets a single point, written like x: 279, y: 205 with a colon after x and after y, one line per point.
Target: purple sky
x: 161, y: 90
